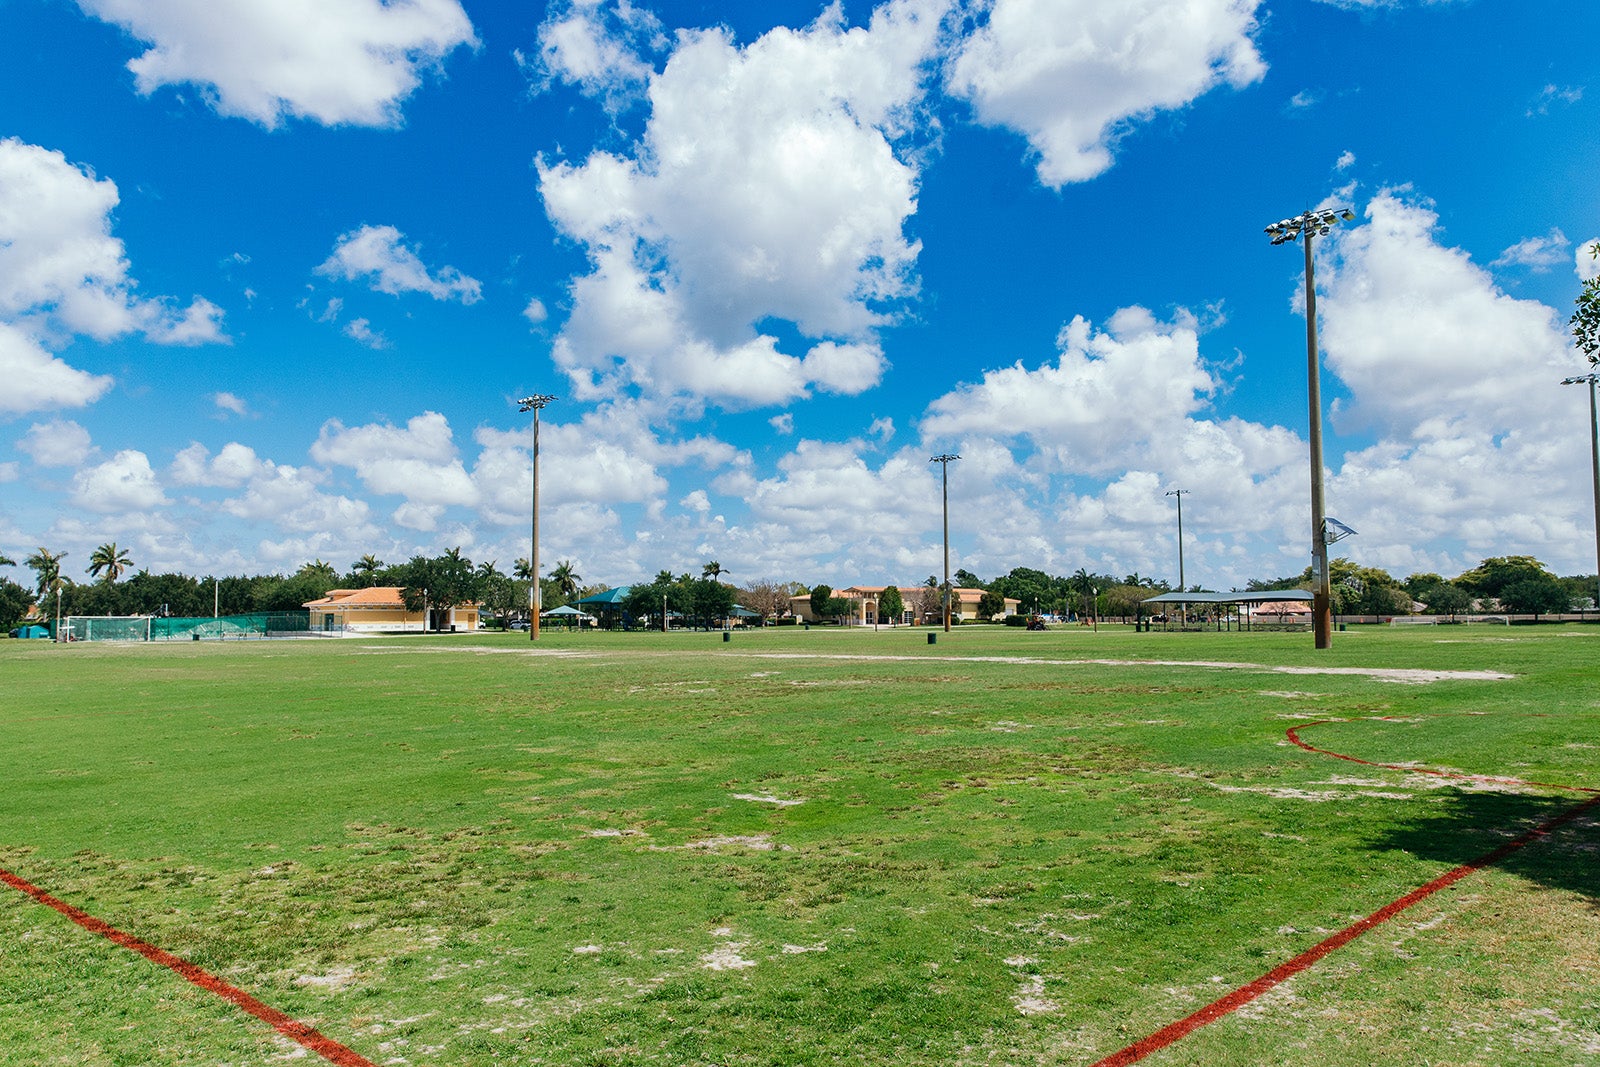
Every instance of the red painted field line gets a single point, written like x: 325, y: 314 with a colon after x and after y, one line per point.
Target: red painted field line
x: 1243, y: 995
x: 307, y: 1036
x: 1294, y: 735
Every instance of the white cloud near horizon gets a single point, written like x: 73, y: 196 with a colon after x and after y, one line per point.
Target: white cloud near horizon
x: 766, y: 186
x: 336, y: 62
x: 1072, y: 75
x: 379, y: 256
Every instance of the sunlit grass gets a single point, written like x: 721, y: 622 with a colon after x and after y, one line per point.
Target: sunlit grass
x: 797, y: 847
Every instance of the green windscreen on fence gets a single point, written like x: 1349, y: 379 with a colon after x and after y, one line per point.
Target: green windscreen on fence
x: 202, y: 628
x: 257, y: 624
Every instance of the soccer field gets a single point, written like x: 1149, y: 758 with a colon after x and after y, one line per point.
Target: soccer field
x: 812, y: 847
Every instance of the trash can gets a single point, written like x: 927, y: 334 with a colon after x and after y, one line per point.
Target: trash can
x: 933, y: 639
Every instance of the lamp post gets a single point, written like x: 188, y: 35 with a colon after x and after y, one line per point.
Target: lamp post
x: 944, y: 459
x: 1594, y: 451
x: 1302, y: 228
x: 535, y: 404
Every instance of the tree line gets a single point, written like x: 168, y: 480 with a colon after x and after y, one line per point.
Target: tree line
x: 1518, y: 584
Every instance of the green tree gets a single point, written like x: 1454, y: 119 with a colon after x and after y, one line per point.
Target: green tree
x: 171, y: 594
x: 1445, y: 598
x: 820, y: 595
x: 835, y: 607
x: 565, y: 581
x: 1585, y: 320
x: 891, y: 605
x: 965, y: 579
x: 441, y: 583
x: 710, y: 600
x: 712, y: 570
x: 364, y: 571
x: 14, y: 603
x: 7, y: 561
x: 990, y: 604
x: 1418, y: 583
x: 47, y: 566
x: 1124, y: 599
x: 111, y: 560
x: 1491, y: 577
x: 1535, y: 596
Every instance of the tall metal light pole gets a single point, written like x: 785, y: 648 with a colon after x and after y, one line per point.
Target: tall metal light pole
x: 1183, y: 615
x: 1179, y: 493
x: 1302, y: 228
x: 535, y: 404
x: 1594, y: 451
x: 943, y: 459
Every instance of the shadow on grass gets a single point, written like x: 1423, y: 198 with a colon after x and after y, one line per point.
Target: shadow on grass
x: 1484, y: 829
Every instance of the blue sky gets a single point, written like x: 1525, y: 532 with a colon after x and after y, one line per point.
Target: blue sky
x: 272, y: 276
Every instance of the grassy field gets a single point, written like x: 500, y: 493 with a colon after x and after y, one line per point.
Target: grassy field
x: 800, y: 848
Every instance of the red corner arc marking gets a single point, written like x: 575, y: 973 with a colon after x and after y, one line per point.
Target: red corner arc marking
x: 299, y: 1032
x: 1243, y: 995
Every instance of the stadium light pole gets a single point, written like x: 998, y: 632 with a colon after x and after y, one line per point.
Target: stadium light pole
x: 1594, y: 452
x: 535, y: 404
x: 944, y: 459
x: 1302, y: 228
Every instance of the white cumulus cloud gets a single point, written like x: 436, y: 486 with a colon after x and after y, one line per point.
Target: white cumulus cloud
x: 38, y: 381
x: 125, y: 482
x: 62, y: 271
x: 1423, y: 336
x: 596, y: 45
x: 1106, y: 393
x: 378, y: 254
x: 767, y: 185
x: 58, y: 443
x: 1072, y: 75
x: 418, y: 461
x: 335, y: 62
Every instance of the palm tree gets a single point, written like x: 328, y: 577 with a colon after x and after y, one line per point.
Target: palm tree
x: 566, y: 580
x: 367, y: 564
x: 522, y: 570
x: 47, y: 565
x: 110, y: 559
x: 712, y: 570
x: 489, y: 570
x: 7, y: 561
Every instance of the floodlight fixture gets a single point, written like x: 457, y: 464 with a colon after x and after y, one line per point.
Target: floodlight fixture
x: 535, y: 403
x: 944, y: 459
x: 1591, y: 379
x: 1302, y: 228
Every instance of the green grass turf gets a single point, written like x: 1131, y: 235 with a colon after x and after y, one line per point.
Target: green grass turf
x: 468, y: 850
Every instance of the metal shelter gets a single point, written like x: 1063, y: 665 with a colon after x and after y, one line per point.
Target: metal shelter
x: 1230, y: 604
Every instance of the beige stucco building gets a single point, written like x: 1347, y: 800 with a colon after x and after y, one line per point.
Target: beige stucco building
x: 381, y: 609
